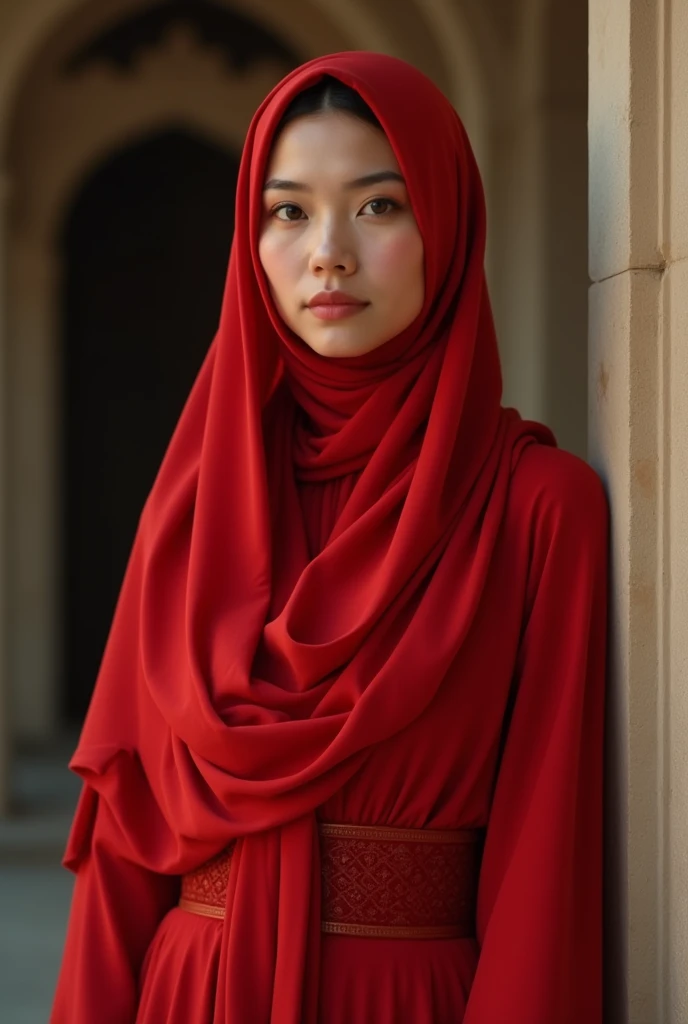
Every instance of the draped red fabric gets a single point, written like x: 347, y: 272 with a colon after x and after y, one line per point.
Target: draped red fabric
x: 248, y: 677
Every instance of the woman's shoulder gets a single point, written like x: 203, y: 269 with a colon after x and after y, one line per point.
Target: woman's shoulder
x: 552, y: 489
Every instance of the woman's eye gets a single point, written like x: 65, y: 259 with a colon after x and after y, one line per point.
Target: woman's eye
x: 380, y: 206
x: 288, y: 211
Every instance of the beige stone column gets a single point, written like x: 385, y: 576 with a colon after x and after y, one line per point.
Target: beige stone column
x: 674, y: 936
x: 536, y: 186
x: 5, y: 731
x: 638, y: 388
x: 34, y: 504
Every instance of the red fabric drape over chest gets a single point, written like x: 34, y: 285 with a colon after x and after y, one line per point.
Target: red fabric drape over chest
x: 252, y: 668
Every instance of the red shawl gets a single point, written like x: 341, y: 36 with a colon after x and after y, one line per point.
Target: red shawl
x: 243, y: 682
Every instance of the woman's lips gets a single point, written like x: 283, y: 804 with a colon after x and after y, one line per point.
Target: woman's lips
x: 335, y: 305
x: 337, y: 310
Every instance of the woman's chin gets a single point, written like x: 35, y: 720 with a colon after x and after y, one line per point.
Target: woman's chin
x: 338, y: 343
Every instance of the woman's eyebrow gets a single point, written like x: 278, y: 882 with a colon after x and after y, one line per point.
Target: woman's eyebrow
x: 284, y: 185
x: 375, y: 179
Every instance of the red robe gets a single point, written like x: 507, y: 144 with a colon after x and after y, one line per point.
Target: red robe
x: 363, y: 592
x: 514, y: 745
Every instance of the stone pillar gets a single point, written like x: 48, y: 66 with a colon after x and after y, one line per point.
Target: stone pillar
x: 5, y: 731
x: 638, y: 388
x: 34, y: 506
x: 674, y: 576
x: 537, y: 217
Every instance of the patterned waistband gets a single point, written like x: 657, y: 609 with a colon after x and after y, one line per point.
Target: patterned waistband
x: 377, y: 881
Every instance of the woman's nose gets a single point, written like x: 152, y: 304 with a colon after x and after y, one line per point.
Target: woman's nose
x: 332, y: 253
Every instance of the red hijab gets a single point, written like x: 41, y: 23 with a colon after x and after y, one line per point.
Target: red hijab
x: 244, y: 682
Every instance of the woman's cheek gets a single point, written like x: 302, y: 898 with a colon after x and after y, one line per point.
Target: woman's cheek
x: 266, y: 255
x: 397, y: 263
x: 278, y: 259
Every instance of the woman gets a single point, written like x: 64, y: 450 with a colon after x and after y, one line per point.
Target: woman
x: 343, y: 761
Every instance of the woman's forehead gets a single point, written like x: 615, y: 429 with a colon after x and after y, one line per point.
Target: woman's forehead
x: 331, y: 144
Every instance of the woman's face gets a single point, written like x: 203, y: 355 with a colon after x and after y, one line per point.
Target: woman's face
x: 337, y: 219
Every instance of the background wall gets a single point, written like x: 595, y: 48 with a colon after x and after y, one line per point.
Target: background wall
x: 638, y: 386
x: 81, y: 82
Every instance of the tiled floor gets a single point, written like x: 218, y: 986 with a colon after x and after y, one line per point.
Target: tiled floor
x: 34, y: 889
x: 34, y: 901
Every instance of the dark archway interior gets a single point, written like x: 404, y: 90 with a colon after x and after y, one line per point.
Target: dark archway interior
x: 145, y: 251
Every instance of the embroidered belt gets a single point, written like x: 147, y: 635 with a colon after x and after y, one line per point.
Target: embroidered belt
x: 377, y: 881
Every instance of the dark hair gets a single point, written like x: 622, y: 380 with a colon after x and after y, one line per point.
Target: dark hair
x: 327, y: 94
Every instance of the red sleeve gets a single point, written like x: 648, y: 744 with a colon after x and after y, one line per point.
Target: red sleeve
x: 540, y: 893
x: 116, y: 909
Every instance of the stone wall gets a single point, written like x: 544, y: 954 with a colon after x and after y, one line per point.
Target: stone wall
x: 638, y: 388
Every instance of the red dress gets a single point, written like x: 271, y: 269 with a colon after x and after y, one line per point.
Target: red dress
x: 361, y: 590
x: 537, y: 959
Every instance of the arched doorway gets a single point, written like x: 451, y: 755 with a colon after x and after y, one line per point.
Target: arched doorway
x: 145, y: 249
